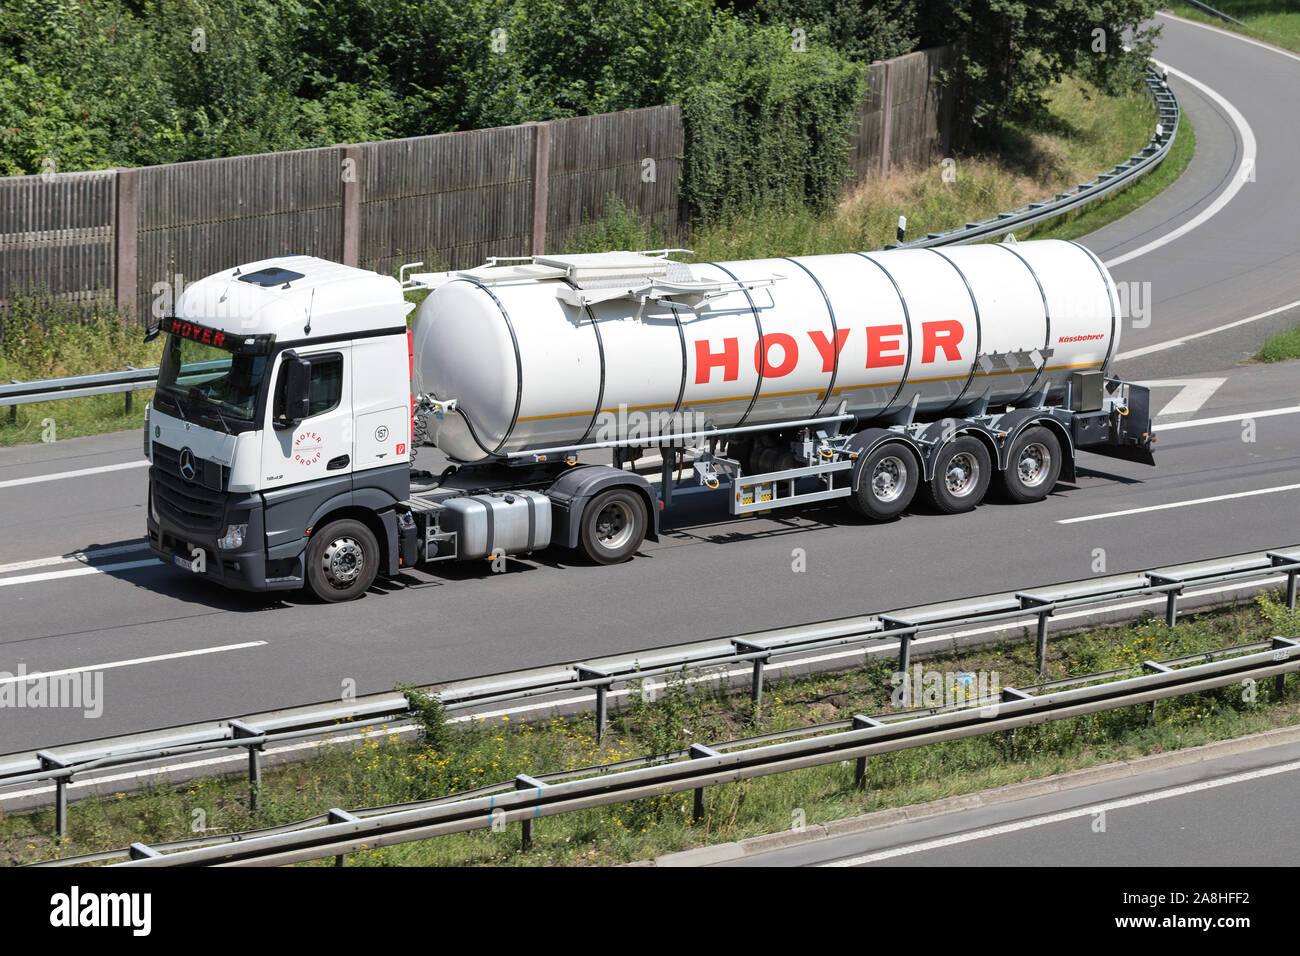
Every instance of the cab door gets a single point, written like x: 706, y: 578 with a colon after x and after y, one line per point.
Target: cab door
x: 321, y: 445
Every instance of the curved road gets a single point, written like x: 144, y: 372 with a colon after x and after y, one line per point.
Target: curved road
x: 177, y: 650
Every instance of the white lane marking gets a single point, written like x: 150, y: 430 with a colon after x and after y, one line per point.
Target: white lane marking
x: 1005, y: 828
x: 1181, y: 504
x: 531, y: 707
x: 1220, y: 419
x: 79, y: 473
x: 1194, y: 393
x: 110, y: 665
x: 1229, y: 33
x: 84, y: 557
x: 1244, y: 171
x: 1184, y: 339
x: 75, y: 572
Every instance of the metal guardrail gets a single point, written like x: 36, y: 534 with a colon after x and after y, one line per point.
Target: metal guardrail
x: 1206, y: 8
x: 598, y: 677
x: 527, y: 798
x: 130, y: 380
x: 1119, y: 175
x: 85, y: 386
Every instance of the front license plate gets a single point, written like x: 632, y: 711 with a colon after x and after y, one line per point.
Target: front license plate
x: 194, y: 564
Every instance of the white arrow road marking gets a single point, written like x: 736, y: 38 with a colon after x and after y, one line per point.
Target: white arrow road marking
x: 85, y: 557
x: 79, y: 473
x: 1195, y: 393
x: 1173, y: 504
x: 37, y: 675
x: 1244, y: 171
x: 1064, y: 816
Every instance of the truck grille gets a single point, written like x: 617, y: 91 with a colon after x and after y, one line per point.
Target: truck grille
x: 197, y: 505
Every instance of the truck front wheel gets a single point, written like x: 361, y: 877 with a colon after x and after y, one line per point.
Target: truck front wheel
x: 613, y: 526
x: 342, y: 560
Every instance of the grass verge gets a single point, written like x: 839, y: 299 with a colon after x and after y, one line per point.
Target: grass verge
x: 461, y: 757
x: 1273, y: 21
x: 45, y: 336
x: 1281, y: 347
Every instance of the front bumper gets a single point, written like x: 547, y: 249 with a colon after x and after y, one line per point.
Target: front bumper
x: 244, y: 569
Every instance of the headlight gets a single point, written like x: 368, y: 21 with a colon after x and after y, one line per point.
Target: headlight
x: 147, y: 449
x: 234, y: 537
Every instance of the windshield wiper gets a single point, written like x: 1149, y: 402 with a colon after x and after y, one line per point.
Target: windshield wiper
x: 180, y: 409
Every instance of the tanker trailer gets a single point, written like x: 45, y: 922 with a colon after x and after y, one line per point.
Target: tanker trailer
x: 871, y: 377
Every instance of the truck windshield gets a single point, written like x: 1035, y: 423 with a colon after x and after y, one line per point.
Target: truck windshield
x: 209, y: 381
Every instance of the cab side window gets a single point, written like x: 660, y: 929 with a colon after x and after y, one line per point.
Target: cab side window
x: 326, y: 385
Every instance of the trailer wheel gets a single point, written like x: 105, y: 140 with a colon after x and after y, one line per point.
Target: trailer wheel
x: 342, y: 560
x: 887, y: 483
x: 613, y: 526
x: 1033, y: 465
x: 962, y: 472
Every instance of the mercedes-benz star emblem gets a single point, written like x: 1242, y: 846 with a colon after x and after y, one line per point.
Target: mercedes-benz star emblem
x: 186, y: 465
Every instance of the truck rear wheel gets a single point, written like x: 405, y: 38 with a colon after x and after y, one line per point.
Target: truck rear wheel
x: 613, y: 526
x: 962, y: 472
x: 887, y: 483
x: 342, y: 560
x: 1033, y: 465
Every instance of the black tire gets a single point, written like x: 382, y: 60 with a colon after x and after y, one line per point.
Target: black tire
x: 1033, y: 465
x: 962, y: 471
x: 887, y: 482
x: 613, y: 526
x: 342, y: 560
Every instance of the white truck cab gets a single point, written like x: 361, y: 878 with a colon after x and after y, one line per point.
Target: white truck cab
x: 283, y: 400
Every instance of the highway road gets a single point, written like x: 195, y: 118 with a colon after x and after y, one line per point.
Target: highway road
x: 1234, y: 811
x: 173, y: 649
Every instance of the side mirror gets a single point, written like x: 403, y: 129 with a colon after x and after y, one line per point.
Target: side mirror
x: 297, y: 391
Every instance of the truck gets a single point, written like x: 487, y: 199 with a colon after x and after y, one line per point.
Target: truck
x: 295, y: 394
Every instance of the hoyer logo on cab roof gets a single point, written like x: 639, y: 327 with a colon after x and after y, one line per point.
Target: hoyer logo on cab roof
x: 884, y: 350
x: 307, y: 448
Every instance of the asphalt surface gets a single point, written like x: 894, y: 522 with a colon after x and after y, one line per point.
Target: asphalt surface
x: 1234, y: 811
x: 712, y: 574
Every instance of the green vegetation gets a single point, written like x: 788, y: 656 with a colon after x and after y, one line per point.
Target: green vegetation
x: 445, y: 760
x: 1273, y: 21
x: 767, y: 86
x: 1281, y: 347
x: 46, y: 336
x: 1081, y: 134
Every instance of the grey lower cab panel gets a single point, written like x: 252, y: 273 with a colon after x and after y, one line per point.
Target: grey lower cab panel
x: 498, y: 523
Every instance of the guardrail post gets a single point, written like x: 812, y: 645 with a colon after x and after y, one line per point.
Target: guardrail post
x: 341, y: 816
x: 51, y: 762
x: 242, y: 729
x: 756, y: 681
x: 697, y: 751
x: 1045, y: 610
x: 142, y: 851
x: 1284, y: 561
x: 1282, y: 644
x: 860, y: 771
x: 889, y: 624
x: 591, y: 673
x: 1156, y: 668
x: 525, y: 782
x: 1171, y: 596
